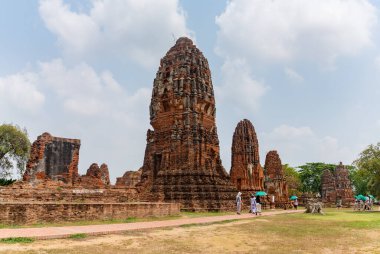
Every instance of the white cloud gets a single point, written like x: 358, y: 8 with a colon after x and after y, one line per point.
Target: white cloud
x: 239, y: 88
x: 282, y: 31
x: 285, y: 132
x: 293, y: 75
x: 20, y: 91
x: 79, y: 102
x: 298, y: 145
x: 137, y: 30
x: 378, y: 123
x: 76, y: 31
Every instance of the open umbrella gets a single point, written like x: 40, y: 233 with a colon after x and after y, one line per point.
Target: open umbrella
x: 293, y: 197
x: 372, y: 197
x: 260, y: 193
x: 361, y: 197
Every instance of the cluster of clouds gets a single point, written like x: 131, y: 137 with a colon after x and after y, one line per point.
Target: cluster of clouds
x: 69, y: 96
x: 250, y: 33
x: 284, y: 31
x: 277, y: 32
x: 300, y: 144
x: 140, y: 31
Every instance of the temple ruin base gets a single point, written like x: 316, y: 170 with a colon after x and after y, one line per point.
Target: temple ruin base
x: 32, y: 213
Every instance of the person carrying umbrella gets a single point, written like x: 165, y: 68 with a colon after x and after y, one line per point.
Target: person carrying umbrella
x: 294, y: 202
x: 258, y: 205
x: 253, y: 204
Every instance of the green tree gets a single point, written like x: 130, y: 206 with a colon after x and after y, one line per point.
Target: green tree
x: 310, y: 175
x: 359, y: 179
x: 368, y: 165
x: 14, y: 149
x: 293, y: 180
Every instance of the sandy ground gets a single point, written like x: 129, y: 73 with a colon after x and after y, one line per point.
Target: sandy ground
x: 247, y: 236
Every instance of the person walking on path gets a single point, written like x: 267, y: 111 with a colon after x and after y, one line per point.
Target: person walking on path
x: 295, y: 204
x: 238, y: 203
x: 253, y: 204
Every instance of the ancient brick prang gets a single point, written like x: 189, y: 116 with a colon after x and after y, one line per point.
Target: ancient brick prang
x: 182, y: 161
x: 246, y: 171
x: 53, y: 158
x: 130, y: 179
x: 337, y: 186
x: 96, y: 177
x: 275, y: 181
x: 328, y: 187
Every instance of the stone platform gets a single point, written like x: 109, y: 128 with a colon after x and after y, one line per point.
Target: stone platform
x: 58, y: 194
x: 32, y: 213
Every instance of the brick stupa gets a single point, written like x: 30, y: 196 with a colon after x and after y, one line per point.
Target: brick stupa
x: 246, y: 172
x: 337, y: 186
x: 275, y: 181
x: 182, y: 162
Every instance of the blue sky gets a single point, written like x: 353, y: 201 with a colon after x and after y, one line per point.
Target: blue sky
x: 306, y: 73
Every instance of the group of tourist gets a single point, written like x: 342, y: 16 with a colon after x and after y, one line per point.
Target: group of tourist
x: 255, y: 206
x: 363, y: 205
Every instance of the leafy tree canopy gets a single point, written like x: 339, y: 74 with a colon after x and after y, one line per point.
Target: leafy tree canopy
x: 293, y: 180
x: 310, y: 175
x: 368, y: 165
x: 14, y: 149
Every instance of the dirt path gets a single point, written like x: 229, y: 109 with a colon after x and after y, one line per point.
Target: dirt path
x: 67, y: 231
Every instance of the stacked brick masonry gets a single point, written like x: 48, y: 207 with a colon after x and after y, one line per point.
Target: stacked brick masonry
x: 182, y: 161
x: 275, y: 182
x: 246, y: 171
x: 32, y: 213
x: 53, y: 158
x: 337, y: 186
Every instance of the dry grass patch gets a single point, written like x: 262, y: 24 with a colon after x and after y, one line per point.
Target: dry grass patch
x: 336, y: 232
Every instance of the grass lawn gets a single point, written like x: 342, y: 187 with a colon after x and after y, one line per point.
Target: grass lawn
x: 341, y: 231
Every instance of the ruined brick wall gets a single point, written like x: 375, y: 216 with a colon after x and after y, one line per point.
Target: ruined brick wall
x: 337, y: 186
x: 32, y: 213
x: 182, y: 161
x: 343, y: 185
x: 275, y: 182
x: 51, y: 191
x: 246, y: 171
x: 129, y: 179
x: 328, y: 187
x: 96, y: 177
x: 53, y: 158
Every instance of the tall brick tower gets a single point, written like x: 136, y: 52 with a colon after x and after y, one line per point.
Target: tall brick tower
x: 275, y: 181
x: 182, y: 161
x: 246, y: 171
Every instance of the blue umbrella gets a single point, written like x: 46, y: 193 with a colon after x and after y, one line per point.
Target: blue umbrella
x: 260, y: 193
x: 293, y: 197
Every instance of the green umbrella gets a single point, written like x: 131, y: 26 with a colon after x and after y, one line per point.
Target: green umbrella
x: 372, y: 197
x: 361, y: 197
x: 293, y: 197
x: 261, y: 193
